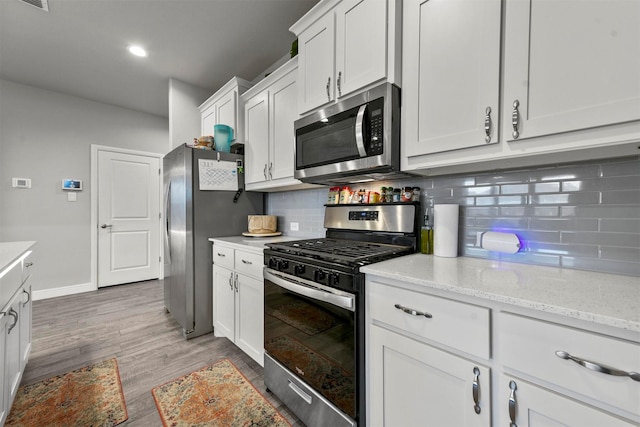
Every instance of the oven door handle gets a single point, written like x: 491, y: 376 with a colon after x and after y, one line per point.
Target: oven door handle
x: 307, y: 288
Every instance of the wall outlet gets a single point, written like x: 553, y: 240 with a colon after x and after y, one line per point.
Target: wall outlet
x: 295, y: 226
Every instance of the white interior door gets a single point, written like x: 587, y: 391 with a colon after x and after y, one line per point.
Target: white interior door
x: 128, y: 218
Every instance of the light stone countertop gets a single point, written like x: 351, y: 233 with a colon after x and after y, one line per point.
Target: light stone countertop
x: 255, y: 244
x: 606, y: 299
x: 11, y: 251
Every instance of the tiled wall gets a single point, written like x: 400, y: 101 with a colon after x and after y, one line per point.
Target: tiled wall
x: 584, y: 216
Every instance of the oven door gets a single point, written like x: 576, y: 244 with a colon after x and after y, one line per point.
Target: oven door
x: 310, y: 329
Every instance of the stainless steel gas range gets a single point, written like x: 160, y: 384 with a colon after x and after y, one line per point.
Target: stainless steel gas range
x: 314, y: 309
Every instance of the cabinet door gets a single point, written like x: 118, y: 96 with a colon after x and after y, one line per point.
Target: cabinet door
x: 571, y: 65
x: 208, y: 120
x: 536, y: 407
x: 361, y: 44
x: 4, y: 386
x: 284, y: 111
x: 250, y: 317
x: 26, y: 304
x: 414, y: 384
x: 12, y: 347
x: 256, y: 116
x: 227, y: 112
x: 223, y: 302
x: 316, y: 62
x: 451, y: 72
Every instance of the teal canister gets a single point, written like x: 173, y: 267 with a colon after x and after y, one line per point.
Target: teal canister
x: 222, y: 137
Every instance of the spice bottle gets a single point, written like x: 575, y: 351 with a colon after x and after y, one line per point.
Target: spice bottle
x: 415, y: 194
x: 396, y: 194
x: 344, y: 195
x: 406, y: 194
x: 426, y: 233
x: 383, y: 195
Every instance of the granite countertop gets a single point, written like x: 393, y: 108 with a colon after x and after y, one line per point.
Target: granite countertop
x: 11, y: 251
x: 256, y: 243
x: 607, y: 299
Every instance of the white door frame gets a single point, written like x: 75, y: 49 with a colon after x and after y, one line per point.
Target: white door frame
x: 95, y: 150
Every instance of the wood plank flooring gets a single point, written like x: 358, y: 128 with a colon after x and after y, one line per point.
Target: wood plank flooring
x: 128, y: 322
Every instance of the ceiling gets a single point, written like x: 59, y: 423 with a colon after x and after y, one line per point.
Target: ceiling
x: 79, y: 46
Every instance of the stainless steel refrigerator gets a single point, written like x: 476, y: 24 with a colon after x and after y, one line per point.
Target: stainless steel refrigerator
x: 202, y: 200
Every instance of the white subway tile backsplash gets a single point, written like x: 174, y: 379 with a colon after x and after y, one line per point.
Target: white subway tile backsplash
x: 584, y: 216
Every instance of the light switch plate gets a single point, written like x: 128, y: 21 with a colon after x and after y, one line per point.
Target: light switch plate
x: 294, y: 226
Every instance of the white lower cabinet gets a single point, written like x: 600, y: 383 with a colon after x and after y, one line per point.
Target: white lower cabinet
x: 238, y: 299
x: 452, y: 360
x: 415, y: 384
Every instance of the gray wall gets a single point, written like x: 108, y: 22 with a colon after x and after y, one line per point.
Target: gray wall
x: 584, y: 216
x: 46, y: 136
x: 184, y: 116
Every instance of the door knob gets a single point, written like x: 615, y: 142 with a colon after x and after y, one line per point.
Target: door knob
x: 106, y: 226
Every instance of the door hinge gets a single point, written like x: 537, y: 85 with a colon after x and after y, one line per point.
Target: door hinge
x: 159, y: 171
x: 159, y: 259
x: 159, y: 215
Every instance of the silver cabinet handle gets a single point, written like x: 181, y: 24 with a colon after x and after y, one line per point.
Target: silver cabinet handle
x: 28, y: 264
x: 106, y: 226
x: 328, y: 86
x: 244, y: 261
x: 264, y: 171
x: 598, y: 367
x: 270, y: 167
x: 512, y: 404
x: 515, y: 119
x: 487, y: 125
x: 231, y: 281
x: 235, y: 282
x: 28, y: 298
x: 13, y: 314
x: 413, y: 312
x: 221, y: 255
x: 476, y: 390
x: 339, y: 83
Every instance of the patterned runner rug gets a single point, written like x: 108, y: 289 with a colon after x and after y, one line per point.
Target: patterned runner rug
x: 216, y: 395
x: 89, y: 396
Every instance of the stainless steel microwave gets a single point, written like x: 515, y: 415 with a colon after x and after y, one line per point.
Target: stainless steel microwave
x: 354, y: 140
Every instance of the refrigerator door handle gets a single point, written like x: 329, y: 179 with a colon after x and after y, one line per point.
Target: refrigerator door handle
x: 167, y: 222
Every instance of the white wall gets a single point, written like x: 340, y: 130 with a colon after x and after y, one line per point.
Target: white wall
x: 184, y: 116
x: 46, y: 136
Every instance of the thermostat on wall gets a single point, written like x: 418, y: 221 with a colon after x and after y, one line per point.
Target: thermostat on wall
x: 72, y: 184
x: 21, y: 182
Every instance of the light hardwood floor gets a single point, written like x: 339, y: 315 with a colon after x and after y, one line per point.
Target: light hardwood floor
x: 128, y: 322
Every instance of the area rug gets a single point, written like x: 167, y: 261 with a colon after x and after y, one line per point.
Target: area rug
x: 89, y: 396
x: 217, y: 395
x: 321, y: 373
x: 306, y: 317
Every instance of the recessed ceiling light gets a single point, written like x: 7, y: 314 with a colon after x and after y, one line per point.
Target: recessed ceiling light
x: 137, y: 51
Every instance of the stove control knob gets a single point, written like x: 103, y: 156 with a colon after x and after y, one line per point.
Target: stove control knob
x: 273, y: 263
x: 334, y: 279
x: 282, y: 265
x: 299, y: 269
x: 319, y: 275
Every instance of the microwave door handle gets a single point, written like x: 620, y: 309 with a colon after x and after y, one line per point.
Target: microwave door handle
x: 360, y: 130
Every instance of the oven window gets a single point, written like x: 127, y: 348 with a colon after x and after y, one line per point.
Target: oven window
x: 315, y: 341
x: 325, y: 143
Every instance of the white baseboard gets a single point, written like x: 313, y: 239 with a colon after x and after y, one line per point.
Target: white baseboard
x: 62, y: 291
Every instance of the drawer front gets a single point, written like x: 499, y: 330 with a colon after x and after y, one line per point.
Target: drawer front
x: 459, y: 325
x: 223, y: 256
x: 9, y: 284
x: 529, y: 346
x: 249, y: 263
x: 27, y: 266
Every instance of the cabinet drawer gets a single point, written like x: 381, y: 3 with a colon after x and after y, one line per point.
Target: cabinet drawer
x: 27, y: 265
x: 459, y: 325
x: 249, y: 263
x: 9, y: 284
x: 223, y: 256
x: 529, y: 346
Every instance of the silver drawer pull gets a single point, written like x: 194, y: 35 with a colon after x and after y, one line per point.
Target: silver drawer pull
x: 413, y: 312
x: 221, y: 255
x: 513, y: 404
x: 515, y: 119
x: 244, y: 261
x: 28, y: 264
x: 297, y: 390
x: 598, y: 367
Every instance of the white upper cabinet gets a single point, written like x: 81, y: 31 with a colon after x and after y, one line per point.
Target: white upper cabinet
x: 270, y: 108
x: 570, y: 65
x: 345, y: 46
x: 565, y: 87
x: 224, y: 107
x: 452, y: 74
